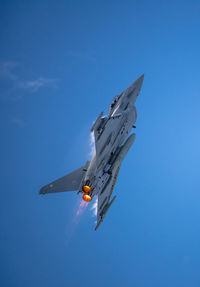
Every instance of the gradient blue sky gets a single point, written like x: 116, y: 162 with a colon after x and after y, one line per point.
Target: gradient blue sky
x: 61, y: 63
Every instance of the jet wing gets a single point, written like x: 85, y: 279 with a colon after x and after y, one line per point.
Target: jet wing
x: 68, y: 182
x: 104, y: 196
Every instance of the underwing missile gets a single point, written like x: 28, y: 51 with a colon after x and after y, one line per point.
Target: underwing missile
x: 104, y: 211
x: 122, y: 152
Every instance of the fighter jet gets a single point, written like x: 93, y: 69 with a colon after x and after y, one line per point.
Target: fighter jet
x: 98, y: 176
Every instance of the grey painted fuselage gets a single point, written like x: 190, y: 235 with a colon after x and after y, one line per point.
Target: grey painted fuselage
x: 110, y: 133
x: 112, y: 142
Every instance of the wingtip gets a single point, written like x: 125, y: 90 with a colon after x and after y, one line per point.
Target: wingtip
x: 42, y: 191
x: 97, y: 226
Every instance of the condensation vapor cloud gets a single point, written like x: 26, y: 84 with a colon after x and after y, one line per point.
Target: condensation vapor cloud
x: 92, y: 153
x: 81, y: 204
x: 94, y: 207
x: 92, y: 145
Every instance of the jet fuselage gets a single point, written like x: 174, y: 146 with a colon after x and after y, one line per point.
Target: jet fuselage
x: 110, y: 133
x: 112, y: 142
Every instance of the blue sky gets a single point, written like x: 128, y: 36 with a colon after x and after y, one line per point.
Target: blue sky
x: 61, y: 63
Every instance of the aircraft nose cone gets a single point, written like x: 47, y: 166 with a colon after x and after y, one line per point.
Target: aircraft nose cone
x: 139, y: 81
x: 132, y: 92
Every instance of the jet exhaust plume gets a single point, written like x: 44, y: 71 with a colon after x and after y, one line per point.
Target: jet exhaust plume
x: 81, y: 208
x: 73, y: 224
x: 81, y: 204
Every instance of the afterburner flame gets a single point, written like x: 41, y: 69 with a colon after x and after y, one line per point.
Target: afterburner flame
x: 87, y: 197
x: 86, y: 188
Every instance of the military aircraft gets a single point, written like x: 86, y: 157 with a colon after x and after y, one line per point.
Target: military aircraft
x: 98, y: 176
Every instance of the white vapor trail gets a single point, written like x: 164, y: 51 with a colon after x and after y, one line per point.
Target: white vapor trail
x: 92, y: 145
x: 94, y: 207
x: 92, y: 153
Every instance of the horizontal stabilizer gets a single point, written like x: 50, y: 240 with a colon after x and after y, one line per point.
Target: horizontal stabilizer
x: 68, y: 182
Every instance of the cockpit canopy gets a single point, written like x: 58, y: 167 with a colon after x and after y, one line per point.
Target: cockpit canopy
x: 113, y: 103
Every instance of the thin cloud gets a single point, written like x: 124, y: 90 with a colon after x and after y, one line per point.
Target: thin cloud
x: 35, y: 85
x: 6, y: 70
x: 16, y: 83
